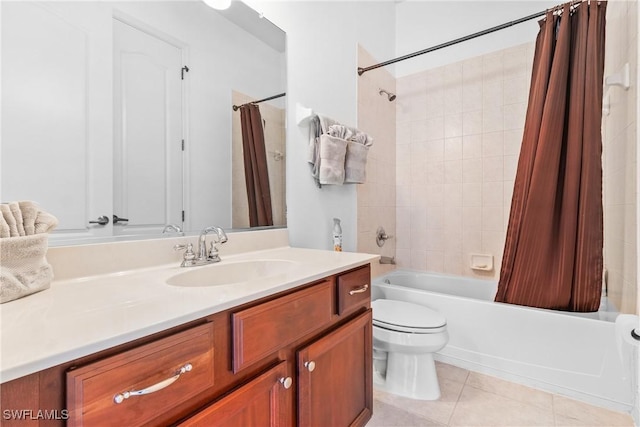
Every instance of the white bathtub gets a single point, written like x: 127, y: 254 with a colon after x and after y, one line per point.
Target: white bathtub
x: 571, y: 354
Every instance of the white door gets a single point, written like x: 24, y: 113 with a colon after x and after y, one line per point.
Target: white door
x: 148, y: 152
x: 56, y: 116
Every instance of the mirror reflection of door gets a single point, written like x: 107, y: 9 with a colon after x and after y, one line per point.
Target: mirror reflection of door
x: 147, y: 131
x: 53, y: 123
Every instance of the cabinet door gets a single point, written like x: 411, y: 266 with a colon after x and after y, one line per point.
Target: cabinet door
x: 264, y: 401
x: 335, y: 377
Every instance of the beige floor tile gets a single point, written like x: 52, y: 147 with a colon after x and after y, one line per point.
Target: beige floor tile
x: 385, y: 415
x: 511, y: 390
x: 439, y: 410
x: 481, y: 408
x: 570, y: 411
x: 450, y: 372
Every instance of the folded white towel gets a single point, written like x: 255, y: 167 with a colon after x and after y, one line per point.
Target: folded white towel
x: 4, y: 227
x: 332, y: 155
x: 24, y: 267
x: 45, y: 222
x: 29, y: 213
x: 362, y: 138
x: 355, y: 165
x: 340, y: 131
x: 9, y: 218
x: 14, y: 207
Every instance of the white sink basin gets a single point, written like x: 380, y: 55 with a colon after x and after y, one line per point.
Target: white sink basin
x: 232, y: 272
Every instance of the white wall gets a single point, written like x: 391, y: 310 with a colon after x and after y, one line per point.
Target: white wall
x: 322, y: 40
x: 422, y: 24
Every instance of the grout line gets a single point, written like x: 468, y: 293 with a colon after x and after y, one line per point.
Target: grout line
x: 455, y: 406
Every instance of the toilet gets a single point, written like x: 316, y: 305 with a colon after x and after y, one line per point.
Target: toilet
x: 405, y: 336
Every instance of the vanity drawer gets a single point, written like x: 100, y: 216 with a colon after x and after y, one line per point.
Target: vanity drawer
x: 261, y: 330
x: 166, y: 373
x: 354, y: 289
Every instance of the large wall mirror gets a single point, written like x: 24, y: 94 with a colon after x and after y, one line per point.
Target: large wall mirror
x: 118, y: 118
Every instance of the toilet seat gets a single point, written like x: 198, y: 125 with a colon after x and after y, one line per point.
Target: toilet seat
x: 404, y: 316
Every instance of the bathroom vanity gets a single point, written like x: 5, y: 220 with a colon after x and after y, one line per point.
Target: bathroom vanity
x: 292, y: 349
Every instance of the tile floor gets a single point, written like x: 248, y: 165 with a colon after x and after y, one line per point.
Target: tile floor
x: 473, y: 399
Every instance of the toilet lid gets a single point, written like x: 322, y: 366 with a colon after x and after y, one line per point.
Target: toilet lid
x: 399, y: 314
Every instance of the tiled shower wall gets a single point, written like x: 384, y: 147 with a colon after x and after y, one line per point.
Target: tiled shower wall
x: 377, y: 197
x: 619, y: 158
x: 459, y: 129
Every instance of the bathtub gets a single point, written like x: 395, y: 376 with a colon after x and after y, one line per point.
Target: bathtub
x: 571, y: 354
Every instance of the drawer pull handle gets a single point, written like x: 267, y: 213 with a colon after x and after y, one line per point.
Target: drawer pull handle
x: 359, y: 290
x: 310, y: 365
x: 286, y: 382
x: 120, y: 397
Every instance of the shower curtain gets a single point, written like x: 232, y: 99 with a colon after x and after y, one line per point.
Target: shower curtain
x: 553, y: 249
x: 255, y: 166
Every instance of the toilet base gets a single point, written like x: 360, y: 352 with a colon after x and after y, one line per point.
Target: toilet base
x: 412, y: 375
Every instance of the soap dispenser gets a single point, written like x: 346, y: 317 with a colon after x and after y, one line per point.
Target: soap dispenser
x: 337, y: 235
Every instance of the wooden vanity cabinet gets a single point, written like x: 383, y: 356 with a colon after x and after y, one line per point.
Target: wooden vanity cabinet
x: 250, y: 367
x: 335, y: 376
x: 263, y: 401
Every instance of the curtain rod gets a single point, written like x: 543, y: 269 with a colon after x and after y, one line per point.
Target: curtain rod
x: 280, y: 95
x: 362, y: 70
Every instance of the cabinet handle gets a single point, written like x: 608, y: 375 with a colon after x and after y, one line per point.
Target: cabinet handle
x: 359, y: 290
x: 311, y: 365
x: 286, y: 382
x: 120, y: 397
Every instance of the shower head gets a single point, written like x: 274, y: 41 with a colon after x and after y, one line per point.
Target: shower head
x: 390, y: 95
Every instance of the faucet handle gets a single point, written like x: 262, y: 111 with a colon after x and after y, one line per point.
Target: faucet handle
x: 189, y: 256
x: 214, y: 255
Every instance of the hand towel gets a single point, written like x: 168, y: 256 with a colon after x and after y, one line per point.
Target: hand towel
x: 11, y: 221
x: 4, y: 227
x: 340, y: 131
x: 24, y: 267
x: 29, y: 213
x: 314, y: 148
x: 332, y: 156
x: 355, y: 163
x: 14, y: 207
x: 45, y: 222
x: 362, y: 138
x: 326, y: 123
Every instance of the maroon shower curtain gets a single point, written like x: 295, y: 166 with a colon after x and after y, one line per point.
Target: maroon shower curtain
x: 255, y: 166
x: 553, y: 249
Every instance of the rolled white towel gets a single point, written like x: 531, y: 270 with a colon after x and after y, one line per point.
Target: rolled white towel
x: 29, y: 213
x: 363, y: 138
x: 11, y: 221
x: 14, y: 207
x: 4, y: 228
x: 45, y: 222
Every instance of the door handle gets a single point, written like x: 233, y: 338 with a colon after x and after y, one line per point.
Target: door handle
x: 103, y: 220
x: 117, y: 219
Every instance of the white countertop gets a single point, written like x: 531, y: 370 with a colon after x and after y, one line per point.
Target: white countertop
x: 78, y: 317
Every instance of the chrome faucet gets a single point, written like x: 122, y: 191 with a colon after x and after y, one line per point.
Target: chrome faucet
x: 171, y: 227
x: 202, y: 244
x: 192, y: 259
